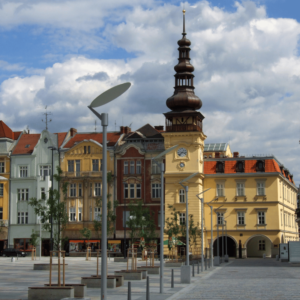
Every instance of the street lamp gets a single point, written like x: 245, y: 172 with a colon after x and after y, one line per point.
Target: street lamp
x: 202, y: 236
x: 211, y: 233
x: 187, y: 216
x: 162, y: 193
x: 52, y: 169
x: 40, y: 220
x: 217, y: 263
x: 102, y: 99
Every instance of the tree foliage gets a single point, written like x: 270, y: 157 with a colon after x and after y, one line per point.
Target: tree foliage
x: 141, y: 222
x: 86, y: 233
x: 55, y: 209
x: 34, y: 238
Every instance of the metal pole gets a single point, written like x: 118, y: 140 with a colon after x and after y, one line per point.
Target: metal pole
x: 147, y: 289
x: 211, y: 239
x: 226, y: 238
x: 124, y: 227
x: 129, y: 291
x: 187, y: 228
x: 104, y: 123
x: 161, y: 280
x: 218, y: 249
x: 222, y: 238
x: 40, y: 238
x: 202, y: 246
x: 51, y: 235
x: 172, y: 279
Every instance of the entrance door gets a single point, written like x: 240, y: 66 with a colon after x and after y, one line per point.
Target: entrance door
x: 284, y: 251
x: 46, y: 247
x: 231, y: 247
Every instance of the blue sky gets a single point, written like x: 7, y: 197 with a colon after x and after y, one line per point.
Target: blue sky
x: 63, y: 54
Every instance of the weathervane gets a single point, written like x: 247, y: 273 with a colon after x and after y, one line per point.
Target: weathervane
x: 46, y: 119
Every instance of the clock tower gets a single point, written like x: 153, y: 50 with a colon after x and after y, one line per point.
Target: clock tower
x: 184, y: 128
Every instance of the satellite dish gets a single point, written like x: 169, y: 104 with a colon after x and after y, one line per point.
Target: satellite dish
x: 110, y: 94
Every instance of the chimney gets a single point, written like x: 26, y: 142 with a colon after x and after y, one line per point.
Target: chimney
x: 73, y: 131
x: 217, y: 154
x: 125, y: 129
x: 235, y: 154
x: 159, y: 127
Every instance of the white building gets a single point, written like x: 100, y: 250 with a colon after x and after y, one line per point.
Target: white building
x: 31, y: 165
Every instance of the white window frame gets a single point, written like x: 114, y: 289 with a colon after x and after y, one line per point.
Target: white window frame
x: 132, y: 167
x: 127, y: 215
x: 1, y: 189
x: 138, y: 190
x: 43, y: 192
x: 45, y: 169
x: 220, y: 218
x: 95, y: 165
x: 155, y: 168
x: 23, y: 194
x: 72, y: 214
x: 71, y: 165
x: 240, y: 189
x: 262, y: 245
x: 72, y: 189
x: 241, y: 218
x: 131, y: 190
x: 261, y: 216
x: 22, y: 217
x: 138, y: 167
x: 220, y: 190
x: 126, y: 191
x: 2, y: 167
x: 260, y: 187
x: 23, y: 171
x: 97, y: 213
x: 97, y: 189
x: 156, y: 190
x: 182, y: 219
x: 181, y: 196
x: 126, y: 170
x: 79, y: 214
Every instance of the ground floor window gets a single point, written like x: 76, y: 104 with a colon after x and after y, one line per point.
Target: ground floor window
x: 114, y: 245
x: 81, y: 245
x: 261, y: 245
x: 22, y: 244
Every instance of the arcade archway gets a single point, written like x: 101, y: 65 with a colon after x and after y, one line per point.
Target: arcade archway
x: 231, y: 246
x: 258, y: 245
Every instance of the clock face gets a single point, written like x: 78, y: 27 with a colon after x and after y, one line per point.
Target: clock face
x: 45, y: 140
x: 182, y: 152
x: 182, y: 164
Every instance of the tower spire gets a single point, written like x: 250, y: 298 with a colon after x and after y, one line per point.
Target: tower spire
x: 184, y: 98
x: 183, y: 22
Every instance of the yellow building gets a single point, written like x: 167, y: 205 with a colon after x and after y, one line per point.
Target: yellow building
x: 8, y: 140
x: 255, y: 197
x: 81, y: 163
x: 254, y: 201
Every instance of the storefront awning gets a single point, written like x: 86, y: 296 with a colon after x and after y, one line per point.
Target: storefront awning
x: 114, y: 242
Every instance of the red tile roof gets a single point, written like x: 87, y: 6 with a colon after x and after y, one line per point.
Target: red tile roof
x: 112, y: 138
x: 271, y: 166
x: 61, y: 137
x: 6, y: 132
x: 26, y: 139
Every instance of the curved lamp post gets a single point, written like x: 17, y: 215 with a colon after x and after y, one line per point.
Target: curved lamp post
x: 102, y: 99
x: 162, y: 225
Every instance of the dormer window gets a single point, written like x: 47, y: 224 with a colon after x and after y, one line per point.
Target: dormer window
x: 260, y: 166
x: 240, y: 166
x: 220, y: 167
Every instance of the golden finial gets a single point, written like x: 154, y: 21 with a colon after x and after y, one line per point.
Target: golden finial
x: 183, y: 11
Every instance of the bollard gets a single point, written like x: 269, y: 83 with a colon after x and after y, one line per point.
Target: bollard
x: 172, y: 279
x: 209, y: 263
x: 198, y: 268
x: 205, y: 263
x: 147, y: 289
x: 277, y: 258
x: 264, y: 255
x: 193, y: 269
x: 129, y: 291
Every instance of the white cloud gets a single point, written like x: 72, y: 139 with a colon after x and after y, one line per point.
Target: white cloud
x: 247, y: 71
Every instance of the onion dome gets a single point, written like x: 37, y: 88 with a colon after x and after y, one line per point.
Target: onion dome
x: 184, y: 97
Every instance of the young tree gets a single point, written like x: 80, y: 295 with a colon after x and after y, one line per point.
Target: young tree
x: 87, y: 235
x: 34, y: 238
x: 172, y: 224
x: 55, y: 209
x: 141, y: 222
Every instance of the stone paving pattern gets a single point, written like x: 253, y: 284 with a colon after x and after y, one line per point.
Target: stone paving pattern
x: 16, y: 277
x: 247, y: 279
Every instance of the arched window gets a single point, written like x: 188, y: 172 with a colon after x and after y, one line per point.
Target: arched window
x: 181, y: 196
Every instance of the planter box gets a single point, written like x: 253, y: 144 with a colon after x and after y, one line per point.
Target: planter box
x: 50, y: 293
x: 79, y: 289
x: 46, y: 267
x: 119, y: 279
x: 174, y: 264
x: 132, y: 275
x: 150, y: 270
x: 95, y: 282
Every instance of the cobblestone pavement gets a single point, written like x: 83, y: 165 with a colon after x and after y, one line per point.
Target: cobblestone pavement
x: 16, y: 277
x: 247, y: 279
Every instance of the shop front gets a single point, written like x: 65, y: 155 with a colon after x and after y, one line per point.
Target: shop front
x: 78, y: 246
